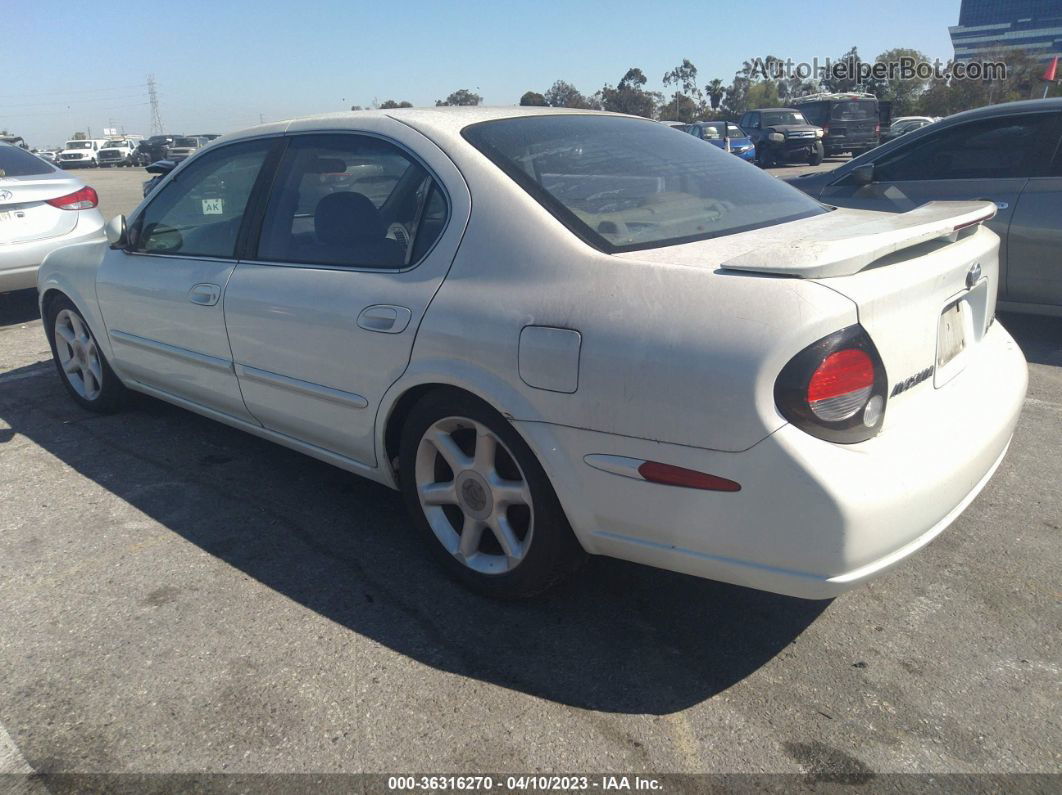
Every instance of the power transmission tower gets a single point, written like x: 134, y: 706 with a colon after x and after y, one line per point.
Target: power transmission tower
x: 153, y: 98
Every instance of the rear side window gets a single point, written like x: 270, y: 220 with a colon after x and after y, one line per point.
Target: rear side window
x: 17, y: 162
x: 623, y: 184
x: 997, y: 148
x: 351, y: 200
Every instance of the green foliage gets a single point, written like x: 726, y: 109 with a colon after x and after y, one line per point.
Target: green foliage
x: 460, y: 97
x: 564, y: 95
x: 388, y: 104
x: 533, y: 98
x: 629, y: 96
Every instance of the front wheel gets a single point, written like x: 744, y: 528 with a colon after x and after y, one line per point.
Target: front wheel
x: 82, y: 366
x: 481, y: 499
x: 816, y: 156
x: 764, y: 159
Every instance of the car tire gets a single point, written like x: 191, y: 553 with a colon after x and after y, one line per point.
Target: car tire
x: 480, y: 499
x: 816, y: 157
x: 83, y: 369
x: 763, y: 157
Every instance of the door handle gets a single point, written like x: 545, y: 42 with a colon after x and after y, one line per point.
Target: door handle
x: 204, y: 294
x: 384, y: 318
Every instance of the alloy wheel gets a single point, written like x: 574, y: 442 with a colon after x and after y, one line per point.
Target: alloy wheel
x: 78, y: 355
x: 474, y: 495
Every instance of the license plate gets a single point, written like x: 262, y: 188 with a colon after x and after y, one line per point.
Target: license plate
x: 950, y: 339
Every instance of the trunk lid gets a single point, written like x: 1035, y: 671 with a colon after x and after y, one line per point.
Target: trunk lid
x: 924, y: 283
x: 24, y: 212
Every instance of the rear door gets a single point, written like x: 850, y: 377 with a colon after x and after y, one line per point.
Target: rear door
x: 982, y: 159
x: 853, y: 123
x: 161, y: 298
x: 358, y: 233
x: 1034, y: 273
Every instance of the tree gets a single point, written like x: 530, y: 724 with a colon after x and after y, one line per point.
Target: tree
x: 949, y: 95
x: 716, y: 91
x: 78, y: 136
x: 388, y: 104
x: 563, y: 94
x: 903, y: 93
x: 533, y: 98
x: 460, y: 97
x: 681, y: 108
x: 842, y: 74
x: 630, y: 96
x: 687, y: 103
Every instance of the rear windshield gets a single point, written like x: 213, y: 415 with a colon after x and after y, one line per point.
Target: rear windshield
x: 854, y: 110
x: 623, y: 184
x: 16, y: 162
x: 185, y: 142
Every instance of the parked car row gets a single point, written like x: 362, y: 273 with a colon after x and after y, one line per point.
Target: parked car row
x: 126, y: 151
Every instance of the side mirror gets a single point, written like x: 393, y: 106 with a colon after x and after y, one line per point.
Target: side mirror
x: 116, y: 231
x: 863, y: 175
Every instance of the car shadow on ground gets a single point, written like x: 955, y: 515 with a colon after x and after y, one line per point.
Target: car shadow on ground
x: 19, y: 306
x: 1040, y: 337
x: 617, y: 637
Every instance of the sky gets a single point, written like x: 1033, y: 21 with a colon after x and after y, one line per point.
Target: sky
x: 224, y: 65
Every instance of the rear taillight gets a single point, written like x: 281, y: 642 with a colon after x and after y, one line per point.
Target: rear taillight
x: 835, y: 388
x: 877, y: 129
x: 84, y: 199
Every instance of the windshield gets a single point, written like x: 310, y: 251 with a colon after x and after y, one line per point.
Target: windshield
x: 113, y: 144
x: 714, y: 130
x: 783, y: 117
x: 17, y: 162
x: 186, y: 142
x: 79, y: 144
x: 854, y: 110
x: 624, y: 184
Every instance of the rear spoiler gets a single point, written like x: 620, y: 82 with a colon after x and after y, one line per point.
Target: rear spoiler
x: 848, y: 250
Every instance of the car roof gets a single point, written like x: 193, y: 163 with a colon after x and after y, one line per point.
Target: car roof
x: 447, y: 120
x: 760, y: 110
x: 1002, y: 109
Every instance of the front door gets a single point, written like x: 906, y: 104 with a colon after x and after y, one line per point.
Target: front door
x: 161, y: 298
x: 359, y: 231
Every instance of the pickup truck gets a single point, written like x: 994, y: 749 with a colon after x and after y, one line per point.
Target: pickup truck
x: 118, y: 152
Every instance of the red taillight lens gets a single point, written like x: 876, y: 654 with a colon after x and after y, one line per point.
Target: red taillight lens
x: 877, y: 129
x: 835, y: 388
x: 84, y: 199
x: 671, y: 475
x: 841, y: 385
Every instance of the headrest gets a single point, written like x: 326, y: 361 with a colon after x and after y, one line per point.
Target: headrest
x: 346, y: 218
x: 326, y: 165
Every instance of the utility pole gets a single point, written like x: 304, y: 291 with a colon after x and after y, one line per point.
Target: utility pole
x: 153, y: 98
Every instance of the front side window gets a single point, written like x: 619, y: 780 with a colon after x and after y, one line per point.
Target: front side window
x: 623, y: 184
x: 351, y: 200
x: 997, y: 148
x: 200, y: 209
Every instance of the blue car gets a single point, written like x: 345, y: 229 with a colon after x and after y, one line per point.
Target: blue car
x: 713, y: 132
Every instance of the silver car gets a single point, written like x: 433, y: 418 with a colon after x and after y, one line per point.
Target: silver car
x: 1009, y: 154
x: 41, y: 209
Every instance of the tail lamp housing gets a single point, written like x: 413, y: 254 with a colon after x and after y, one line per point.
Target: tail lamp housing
x: 83, y: 199
x: 836, y: 388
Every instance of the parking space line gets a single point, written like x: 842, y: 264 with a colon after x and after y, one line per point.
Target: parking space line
x: 11, y: 759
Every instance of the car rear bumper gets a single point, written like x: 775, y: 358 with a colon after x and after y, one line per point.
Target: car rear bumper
x: 812, y: 519
x: 19, y: 261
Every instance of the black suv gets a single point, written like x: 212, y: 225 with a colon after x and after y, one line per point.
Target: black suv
x: 154, y: 148
x: 782, y: 135
x: 849, y: 122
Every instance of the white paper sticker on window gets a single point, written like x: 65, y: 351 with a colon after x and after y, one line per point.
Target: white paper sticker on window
x: 213, y: 207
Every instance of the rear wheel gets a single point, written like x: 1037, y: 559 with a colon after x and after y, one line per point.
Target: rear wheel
x: 481, y: 499
x: 82, y: 366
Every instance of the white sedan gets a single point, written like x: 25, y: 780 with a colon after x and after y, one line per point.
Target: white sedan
x: 42, y: 208
x: 562, y: 333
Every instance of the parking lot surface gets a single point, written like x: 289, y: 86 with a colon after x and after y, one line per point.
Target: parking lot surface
x: 182, y: 597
